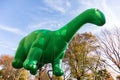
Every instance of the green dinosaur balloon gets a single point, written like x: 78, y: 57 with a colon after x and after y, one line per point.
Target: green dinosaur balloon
x: 44, y: 46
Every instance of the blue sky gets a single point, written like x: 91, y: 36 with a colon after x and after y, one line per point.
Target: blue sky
x: 20, y: 17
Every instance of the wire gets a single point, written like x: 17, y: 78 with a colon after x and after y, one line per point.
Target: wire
x: 49, y: 74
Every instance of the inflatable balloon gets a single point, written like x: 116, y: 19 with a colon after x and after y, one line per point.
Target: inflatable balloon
x: 44, y: 46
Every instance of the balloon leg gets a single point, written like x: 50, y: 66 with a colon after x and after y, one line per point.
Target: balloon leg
x: 32, y: 60
x: 57, y: 70
x: 20, y: 56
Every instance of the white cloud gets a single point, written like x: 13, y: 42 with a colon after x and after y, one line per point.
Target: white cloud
x: 13, y: 30
x: 87, y: 3
x: 111, y: 18
x: 51, y: 25
x: 68, y: 4
x: 7, y: 47
x: 58, y: 5
x: 44, y: 9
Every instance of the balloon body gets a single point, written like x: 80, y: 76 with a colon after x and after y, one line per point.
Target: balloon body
x: 44, y: 46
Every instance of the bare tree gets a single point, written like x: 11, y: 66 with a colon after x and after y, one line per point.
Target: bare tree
x: 43, y: 73
x: 109, y: 40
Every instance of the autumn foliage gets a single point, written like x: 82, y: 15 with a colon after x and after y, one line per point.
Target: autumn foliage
x: 7, y: 72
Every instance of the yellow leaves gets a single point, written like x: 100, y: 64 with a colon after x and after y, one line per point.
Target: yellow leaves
x: 78, y: 51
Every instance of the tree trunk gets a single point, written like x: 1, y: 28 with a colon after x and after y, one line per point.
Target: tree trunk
x: 78, y: 78
x: 39, y: 77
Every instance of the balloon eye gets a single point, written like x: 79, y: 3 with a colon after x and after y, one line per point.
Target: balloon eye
x: 97, y: 9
